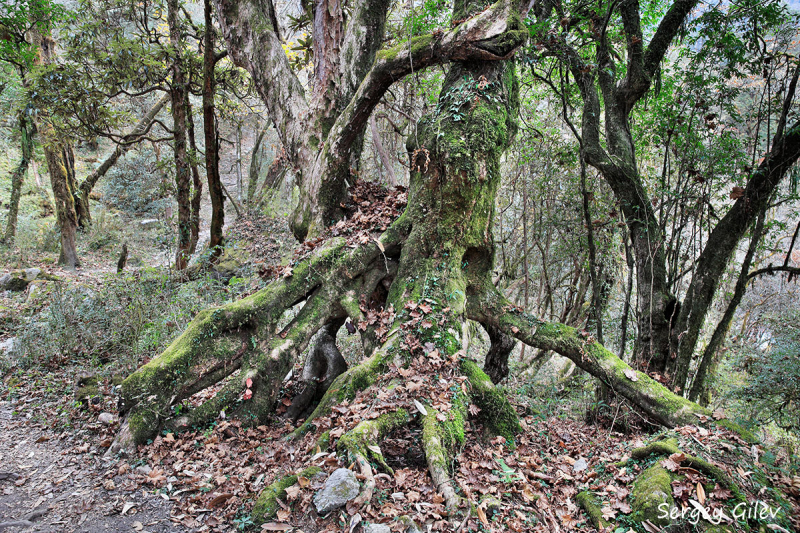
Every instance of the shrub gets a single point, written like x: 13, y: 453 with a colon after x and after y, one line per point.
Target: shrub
x: 130, y: 318
x: 138, y: 183
x: 772, y: 373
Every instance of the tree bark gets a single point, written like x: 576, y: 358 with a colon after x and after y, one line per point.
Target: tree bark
x: 26, y: 130
x: 211, y: 139
x: 197, y: 184
x: 711, y: 354
x: 178, y: 96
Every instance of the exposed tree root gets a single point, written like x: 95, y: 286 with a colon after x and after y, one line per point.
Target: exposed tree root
x: 266, y: 506
x: 496, y: 364
x: 323, y: 365
x: 654, y: 399
x: 438, y: 440
x: 498, y: 413
x: 588, y: 502
x: 362, y: 442
x: 667, y: 447
x: 244, y: 335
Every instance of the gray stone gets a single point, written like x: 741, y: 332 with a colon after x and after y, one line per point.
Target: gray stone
x: 106, y: 418
x: 341, y: 487
x: 377, y: 528
x: 35, y: 287
x: 148, y: 223
x: 143, y: 470
x: 580, y: 465
x: 9, y: 347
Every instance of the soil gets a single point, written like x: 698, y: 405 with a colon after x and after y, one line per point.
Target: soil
x: 66, y: 485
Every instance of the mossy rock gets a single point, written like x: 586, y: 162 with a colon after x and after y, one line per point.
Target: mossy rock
x: 651, y: 490
x: 86, y: 393
x: 266, y: 506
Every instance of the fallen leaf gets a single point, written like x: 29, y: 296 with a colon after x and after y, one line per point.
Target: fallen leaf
x: 631, y: 374
x: 219, y: 500
x: 482, y: 516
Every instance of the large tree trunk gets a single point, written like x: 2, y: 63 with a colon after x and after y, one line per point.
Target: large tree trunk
x: 451, y: 198
x: 64, y: 195
x: 60, y: 165
x: 178, y: 96
x: 211, y: 140
x: 26, y: 130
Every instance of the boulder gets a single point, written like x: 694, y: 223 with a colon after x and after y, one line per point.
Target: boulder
x: 106, y: 418
x: 341, y: 487
x: 18, y: 280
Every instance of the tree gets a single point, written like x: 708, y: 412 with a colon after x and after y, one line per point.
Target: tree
x: 410, y: 288
x: 584, y: 43
x: 27, y: 44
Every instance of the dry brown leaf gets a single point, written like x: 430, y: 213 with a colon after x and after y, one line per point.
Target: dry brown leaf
x: 631, y: 374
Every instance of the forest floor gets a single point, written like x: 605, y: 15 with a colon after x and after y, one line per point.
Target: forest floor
x: 206, y: 480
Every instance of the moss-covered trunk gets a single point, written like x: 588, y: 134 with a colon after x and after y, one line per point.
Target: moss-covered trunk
x: 178, y: 95
x: 26, y: 130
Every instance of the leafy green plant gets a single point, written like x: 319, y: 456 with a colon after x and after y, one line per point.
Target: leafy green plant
x: 771, y: 387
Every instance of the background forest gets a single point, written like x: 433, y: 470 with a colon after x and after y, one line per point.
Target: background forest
x: 642, y: 189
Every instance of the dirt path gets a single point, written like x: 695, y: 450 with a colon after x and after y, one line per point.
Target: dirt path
x: 63, y: 483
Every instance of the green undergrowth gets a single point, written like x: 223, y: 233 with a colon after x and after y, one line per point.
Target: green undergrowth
x: 128, y: 318
x: 725, y: 462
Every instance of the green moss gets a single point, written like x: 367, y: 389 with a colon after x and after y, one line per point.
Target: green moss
x: 324, y: 441
x: 588, y: 502
x: 433, y: 441
x: 367, y: 433
x: 415, y: 45
x: 266, y: 506
x: 746, y: 435
x: 496, y: 411
x: 87, y: 392
x: 652, y: 489
x: 659, y: 447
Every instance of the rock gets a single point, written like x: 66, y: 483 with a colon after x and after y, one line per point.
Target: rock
x: 18, y: 280
x: 341, y: 487
x: 148, y: 223
x: 34, y: 287
x: 9, y: 346
x: 409, y: 524
x: 106, y: 418
x: 377, y: 528
x: 143, y: 470
x: 580, y: 465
